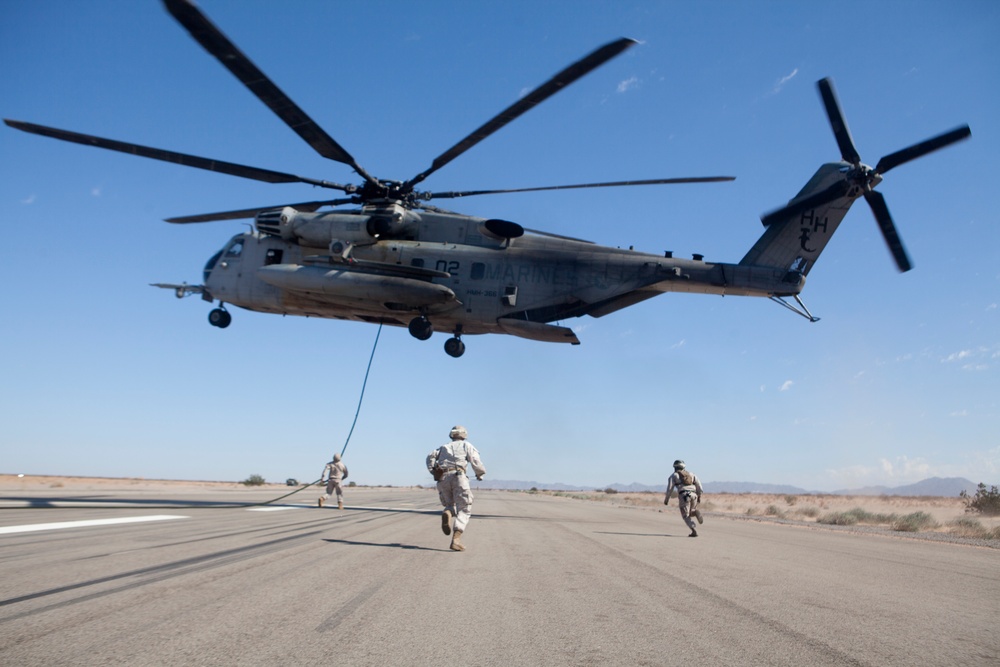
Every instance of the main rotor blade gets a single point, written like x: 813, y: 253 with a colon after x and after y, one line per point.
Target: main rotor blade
x: 308, y: 207
x: 231, y: 168
x: 838, y: 123
x: 923, y: 148
x: 217, y: 44
x: 835, y: 191
x: 659, y: 181
x: 538, y: 95
x: 877, y: 203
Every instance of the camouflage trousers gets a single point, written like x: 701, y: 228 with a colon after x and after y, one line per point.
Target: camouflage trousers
x: 332, y: 487
x: 688, y: 503
x: 456, y: 495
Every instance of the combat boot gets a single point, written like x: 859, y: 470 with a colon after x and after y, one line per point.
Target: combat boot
x: 694, y: 533
x: 320, y: 503
x: 456, y: 544
x: 446, y: 522
x: 340, y: 504
x: 697, y: 515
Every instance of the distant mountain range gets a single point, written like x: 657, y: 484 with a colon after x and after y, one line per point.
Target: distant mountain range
x: 934, y: 486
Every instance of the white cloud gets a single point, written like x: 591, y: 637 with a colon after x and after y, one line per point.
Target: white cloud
x: 29, y: 200
x: 959, y: 413
x: 678, y: 344
x: 96, y: 192
x: 628, y: 84
x: 977, y: 466
x: 906, y: 470
x: 783, y: 80
x: 786, y: 385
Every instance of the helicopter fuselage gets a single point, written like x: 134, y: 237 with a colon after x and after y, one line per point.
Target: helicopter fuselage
x: 456, y: 272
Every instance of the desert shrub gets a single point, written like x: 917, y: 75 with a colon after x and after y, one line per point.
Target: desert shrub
x: 994, y: 534
x: 253, y: 480
x: 751, y: 511
x: 791, y: 500
x: 912, y: 523
x: 774, y: 510
x: 985, y: 502
x: 856, y: 516
x: 533, y: 489
x: 610, y: 490
x: 811, y: 512
x: 965, y: 527
x: 838, y: 519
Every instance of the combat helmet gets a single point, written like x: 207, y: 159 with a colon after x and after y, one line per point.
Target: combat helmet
x: 679, y: 465
x: 458, y: 433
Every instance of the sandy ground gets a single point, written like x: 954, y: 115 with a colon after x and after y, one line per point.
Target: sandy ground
x: 61, y: 485
x: 947, y: 514
x: 806, y: 508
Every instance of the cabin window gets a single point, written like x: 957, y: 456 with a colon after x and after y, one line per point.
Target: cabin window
x: 417, y: 262
x: 235, y: 249
x: 478, y: 270
x: 273, y: 256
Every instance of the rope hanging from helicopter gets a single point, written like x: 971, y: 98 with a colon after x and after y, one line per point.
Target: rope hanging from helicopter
x: 361, y: 399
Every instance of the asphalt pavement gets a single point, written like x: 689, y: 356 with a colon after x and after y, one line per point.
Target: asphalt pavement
x: 203, y: 578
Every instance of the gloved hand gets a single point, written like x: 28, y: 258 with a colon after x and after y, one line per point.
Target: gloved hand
x: 479, y: 478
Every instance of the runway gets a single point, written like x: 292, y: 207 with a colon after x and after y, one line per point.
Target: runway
x: 545, y: 581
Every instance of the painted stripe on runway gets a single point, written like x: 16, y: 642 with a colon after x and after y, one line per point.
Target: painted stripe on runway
x: 83, y: 524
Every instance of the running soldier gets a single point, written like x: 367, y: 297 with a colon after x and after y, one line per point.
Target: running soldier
x: 688, y: 494
x: 334, y: 473
x: 447, y: 464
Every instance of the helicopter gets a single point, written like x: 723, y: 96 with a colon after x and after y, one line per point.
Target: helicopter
x: 392, y: 258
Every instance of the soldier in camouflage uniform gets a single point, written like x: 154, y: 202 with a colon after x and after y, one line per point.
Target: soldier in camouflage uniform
x: 688, y: 494
x: 447, y: 464
x: 334, y: 473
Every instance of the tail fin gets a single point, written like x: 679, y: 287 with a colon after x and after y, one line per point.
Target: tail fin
x: 798, y: 232
x: 795, y: 242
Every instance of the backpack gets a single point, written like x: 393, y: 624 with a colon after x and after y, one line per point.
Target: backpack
x: 687, y: 479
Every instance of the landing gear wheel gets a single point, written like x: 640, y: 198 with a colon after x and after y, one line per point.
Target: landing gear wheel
x: 421, y: 328
x: 454, y: 347
x: 219, y: 318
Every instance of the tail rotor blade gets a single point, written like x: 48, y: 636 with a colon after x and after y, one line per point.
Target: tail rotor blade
x: 835, y: 191
x: 838, y: 123
x: 877, y: 203
x: 923, y: 148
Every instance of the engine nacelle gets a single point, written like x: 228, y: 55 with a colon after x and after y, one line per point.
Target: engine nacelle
x: 314, y: 230
x: 318, y: 230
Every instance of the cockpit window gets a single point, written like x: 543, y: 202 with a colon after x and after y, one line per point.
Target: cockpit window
x: 210, y: 264
x: 235, y: 249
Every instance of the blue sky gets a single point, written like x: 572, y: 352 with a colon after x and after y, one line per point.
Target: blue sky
x: 101, y: 374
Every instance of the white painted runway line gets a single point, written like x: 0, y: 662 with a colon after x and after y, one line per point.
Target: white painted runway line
x: 30, y: 528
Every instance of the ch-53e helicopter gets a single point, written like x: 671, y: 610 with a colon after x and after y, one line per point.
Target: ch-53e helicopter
x: 399, y: 261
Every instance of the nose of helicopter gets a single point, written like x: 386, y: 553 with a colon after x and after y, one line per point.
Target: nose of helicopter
x: 209, y: 265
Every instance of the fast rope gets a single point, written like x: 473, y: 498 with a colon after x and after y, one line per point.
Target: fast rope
x: 349, y: 433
